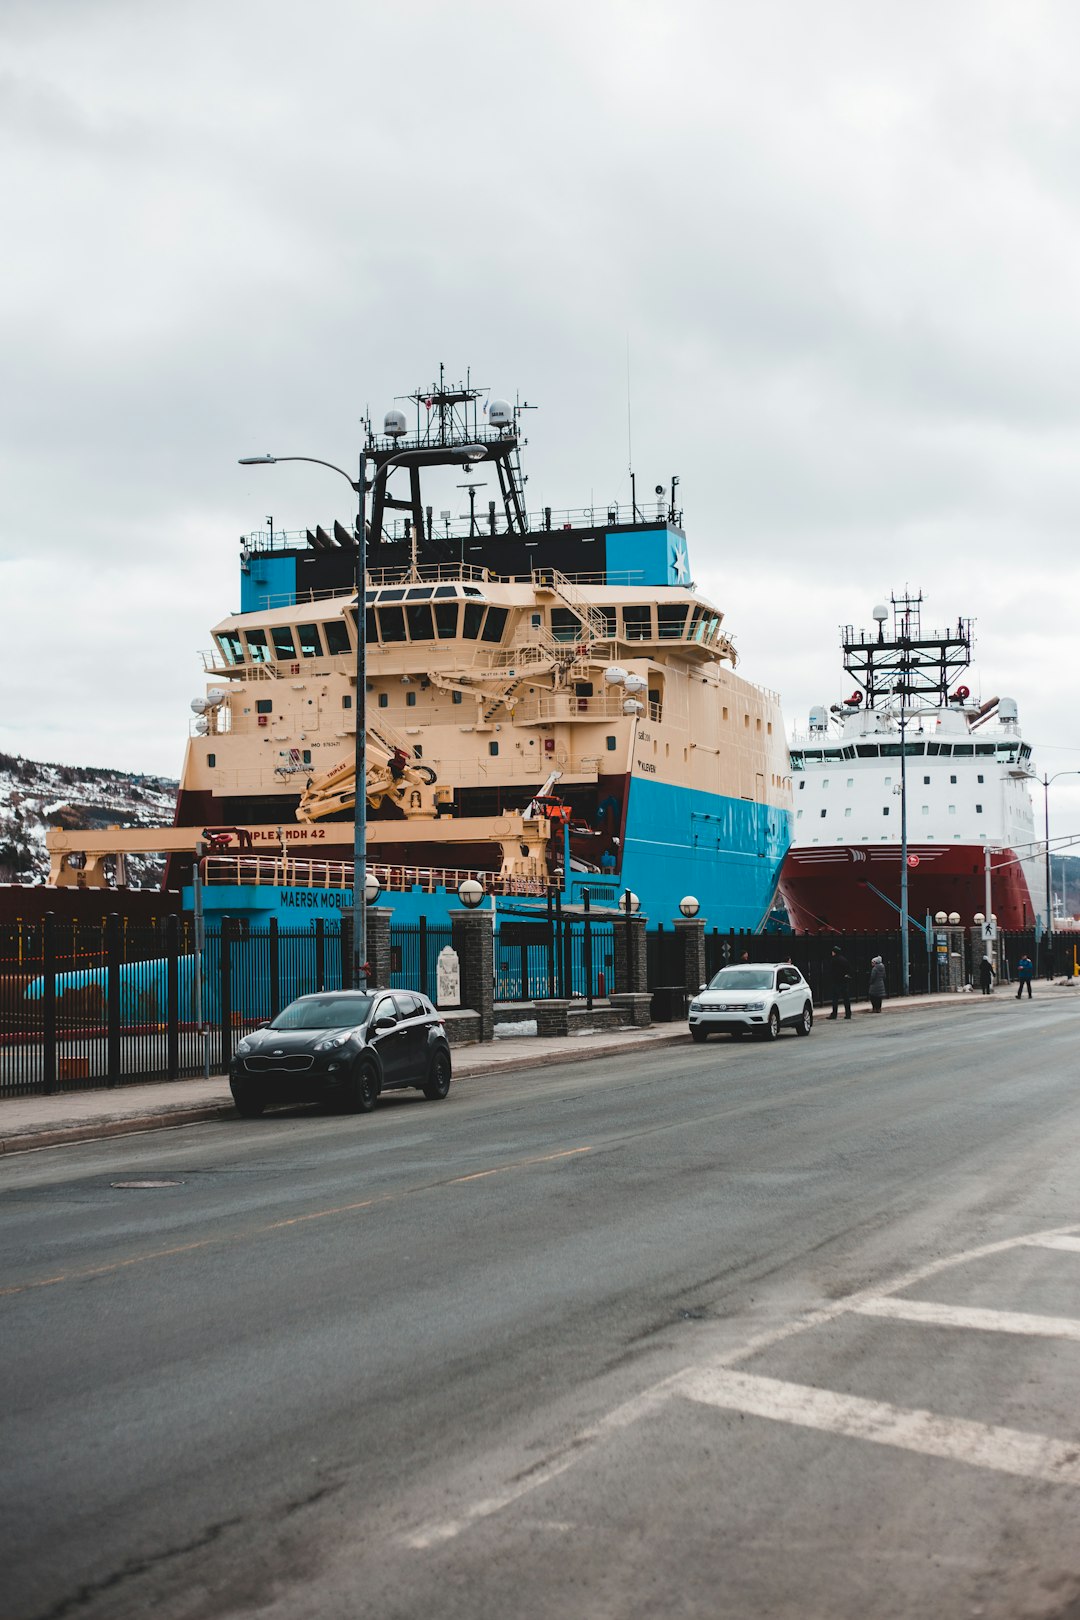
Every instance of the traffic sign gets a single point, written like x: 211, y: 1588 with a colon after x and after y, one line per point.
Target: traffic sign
x: 989, y: 931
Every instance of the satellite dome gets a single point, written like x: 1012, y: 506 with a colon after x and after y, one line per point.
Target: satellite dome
x: 819, y: 719
x: 1007, y: 709
x: 500, y: 413
x: 394, y: 424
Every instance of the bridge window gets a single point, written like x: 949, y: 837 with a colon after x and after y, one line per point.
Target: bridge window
x: 284, y: 643
x: 310, y: 641
x: 446, y: 616
x: 421, y: 627
x: 472, y: 619
x: 445, y: 590
x: 391, y: 623
x: 257, y: 646
x: 565, y: 626
x: 494, y: 624
x: 231, y: 646
x: 671, y: 621
x: 337, y: 637
x: 637, y: 623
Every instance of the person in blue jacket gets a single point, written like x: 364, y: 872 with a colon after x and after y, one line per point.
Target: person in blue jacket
x: 1024, y: 975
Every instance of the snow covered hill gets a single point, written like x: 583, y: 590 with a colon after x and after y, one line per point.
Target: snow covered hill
x: 35, y: 797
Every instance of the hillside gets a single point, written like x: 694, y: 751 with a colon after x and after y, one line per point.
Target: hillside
x: 36, y: 796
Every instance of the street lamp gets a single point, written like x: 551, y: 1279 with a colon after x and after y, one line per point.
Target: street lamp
x: 372, y: 888
x: 1046, y: 781
x: 689, y: 906
x: 474, y: 452
x: 470, y: 893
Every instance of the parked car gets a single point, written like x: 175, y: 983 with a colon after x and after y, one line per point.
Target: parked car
x: 757, y: 996
x: 342, y: 1047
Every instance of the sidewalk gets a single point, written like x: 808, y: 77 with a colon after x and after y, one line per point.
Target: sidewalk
x: 81, y: 1116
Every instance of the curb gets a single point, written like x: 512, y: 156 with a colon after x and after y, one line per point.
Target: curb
x: 166, y: 1118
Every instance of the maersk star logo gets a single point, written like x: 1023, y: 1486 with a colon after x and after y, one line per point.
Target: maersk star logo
x: 680, y: 562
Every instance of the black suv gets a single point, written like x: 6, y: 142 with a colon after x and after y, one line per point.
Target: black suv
x: 342, y: 1047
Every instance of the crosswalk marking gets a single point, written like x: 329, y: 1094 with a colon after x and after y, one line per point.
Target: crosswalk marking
x: 980, y: 1445
x: 930, y: 1313
x: 1061, y: 1241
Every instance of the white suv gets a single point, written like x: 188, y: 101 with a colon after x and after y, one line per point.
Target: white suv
x: 759, y: 996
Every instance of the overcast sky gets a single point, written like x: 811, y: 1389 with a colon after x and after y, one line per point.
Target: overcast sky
x: 841, y: 240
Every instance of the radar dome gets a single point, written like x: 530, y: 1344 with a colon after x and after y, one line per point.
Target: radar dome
x: 819, y: 719
x: 1007, y: 709
x: 199, y: 705
x: 881, y: 613
x: 500, y: 413
x: 394, y: 424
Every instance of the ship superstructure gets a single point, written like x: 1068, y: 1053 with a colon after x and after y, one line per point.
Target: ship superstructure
x: 550, y: 702
x: 911, y: 724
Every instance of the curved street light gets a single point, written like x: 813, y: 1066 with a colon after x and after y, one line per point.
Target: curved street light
x: 468, y: 453
x: 1046, y: 781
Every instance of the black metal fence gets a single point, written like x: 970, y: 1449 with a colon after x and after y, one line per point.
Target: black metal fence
x: 119, y: 1001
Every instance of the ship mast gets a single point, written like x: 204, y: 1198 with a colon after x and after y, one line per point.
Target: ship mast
x: 922, y: 668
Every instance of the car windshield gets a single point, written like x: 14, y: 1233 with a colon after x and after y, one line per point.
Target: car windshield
x: 743, y: 978
x: 323, y: 1012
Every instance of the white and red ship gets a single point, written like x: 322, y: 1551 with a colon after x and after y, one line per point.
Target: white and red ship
x: 911, y: 738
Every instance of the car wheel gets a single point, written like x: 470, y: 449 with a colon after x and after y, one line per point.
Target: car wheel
x: 438, y: 1081
x: 806, y: 1020
x: 699, y: 1035
x: 771, y: 1031
x: 248, y: 1105
x: 362, y: 1091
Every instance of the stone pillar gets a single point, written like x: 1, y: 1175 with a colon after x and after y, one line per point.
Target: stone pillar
x: 378, y: 946
x: 473, y: 942
x: 551, y: 1017
x: 634, y: 1008
x: 692, y: 931
x: 630, y: 976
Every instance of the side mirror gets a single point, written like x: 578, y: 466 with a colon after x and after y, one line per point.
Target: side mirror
x: 263, y: 1024
x: 702, y: 987
x: 385, y: 1022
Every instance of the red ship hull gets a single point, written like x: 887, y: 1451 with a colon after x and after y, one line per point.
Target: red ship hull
x: 833, y: 890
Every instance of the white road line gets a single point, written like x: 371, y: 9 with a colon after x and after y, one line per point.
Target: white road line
x: 931, y: 1314
x: 980, y: 1445
x: 1072, y: 1244
x: 621, y: 1417
x: 650, y: 1400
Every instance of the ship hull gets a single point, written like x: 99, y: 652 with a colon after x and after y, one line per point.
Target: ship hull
x: 841, y: 889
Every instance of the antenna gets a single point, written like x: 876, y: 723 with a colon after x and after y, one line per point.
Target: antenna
x: 630, y: 435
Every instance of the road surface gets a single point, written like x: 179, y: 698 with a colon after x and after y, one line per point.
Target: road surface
x: 734, y: 1330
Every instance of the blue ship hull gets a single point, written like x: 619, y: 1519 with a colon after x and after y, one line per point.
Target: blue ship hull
x: 727, y: 853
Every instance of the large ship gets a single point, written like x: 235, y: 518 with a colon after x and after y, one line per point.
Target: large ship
x: 911, y: 744
x: 550, y: 703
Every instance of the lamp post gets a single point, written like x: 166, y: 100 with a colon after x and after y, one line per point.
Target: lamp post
x: 1046, y: 781
x: 359, y: 485
x: 905, y: 944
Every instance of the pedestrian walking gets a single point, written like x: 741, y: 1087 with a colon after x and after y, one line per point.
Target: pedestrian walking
x: 1024, y: 974
x: 986, y: 975
x: 877, y: 984
x: 841, y: 982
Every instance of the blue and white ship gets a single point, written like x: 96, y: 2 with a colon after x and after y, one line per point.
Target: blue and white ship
x: 551, y: 705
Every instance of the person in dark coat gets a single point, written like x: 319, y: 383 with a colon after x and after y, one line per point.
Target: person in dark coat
x: 841, y: 982
x: 877, y: 984
x: 1024, y: 975
x: 986, y: 975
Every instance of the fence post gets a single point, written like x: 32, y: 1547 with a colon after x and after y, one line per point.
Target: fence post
x: 172, y: 997
x: 523, y: 963
x: 320, y: 954
x: 586, y: 901
x: 226, y: 993
x: 112, y: 968
x: 275, y: 969
x: 550, y: 949
x: 423, y: 973
x: 568, y: 957
x: 48, y: 968
x: 345, y: 940
x: 378, y: 946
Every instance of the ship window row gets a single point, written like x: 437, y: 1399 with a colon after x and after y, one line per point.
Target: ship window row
x: 1008, y: 751
x: 439, y: 621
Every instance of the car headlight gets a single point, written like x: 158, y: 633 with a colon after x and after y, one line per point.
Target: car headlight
x: 243, y: 1048
x: 330, y: 1043
x: 755, y: 1006
x: 695, y: 1006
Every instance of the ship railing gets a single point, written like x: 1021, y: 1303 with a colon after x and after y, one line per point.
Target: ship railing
x: 550, y: 520
x: 300, y: 872
x: 593, y: 622
x: 568, y: 706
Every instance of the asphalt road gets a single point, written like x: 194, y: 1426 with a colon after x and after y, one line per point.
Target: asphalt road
x: 720, y: 1331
